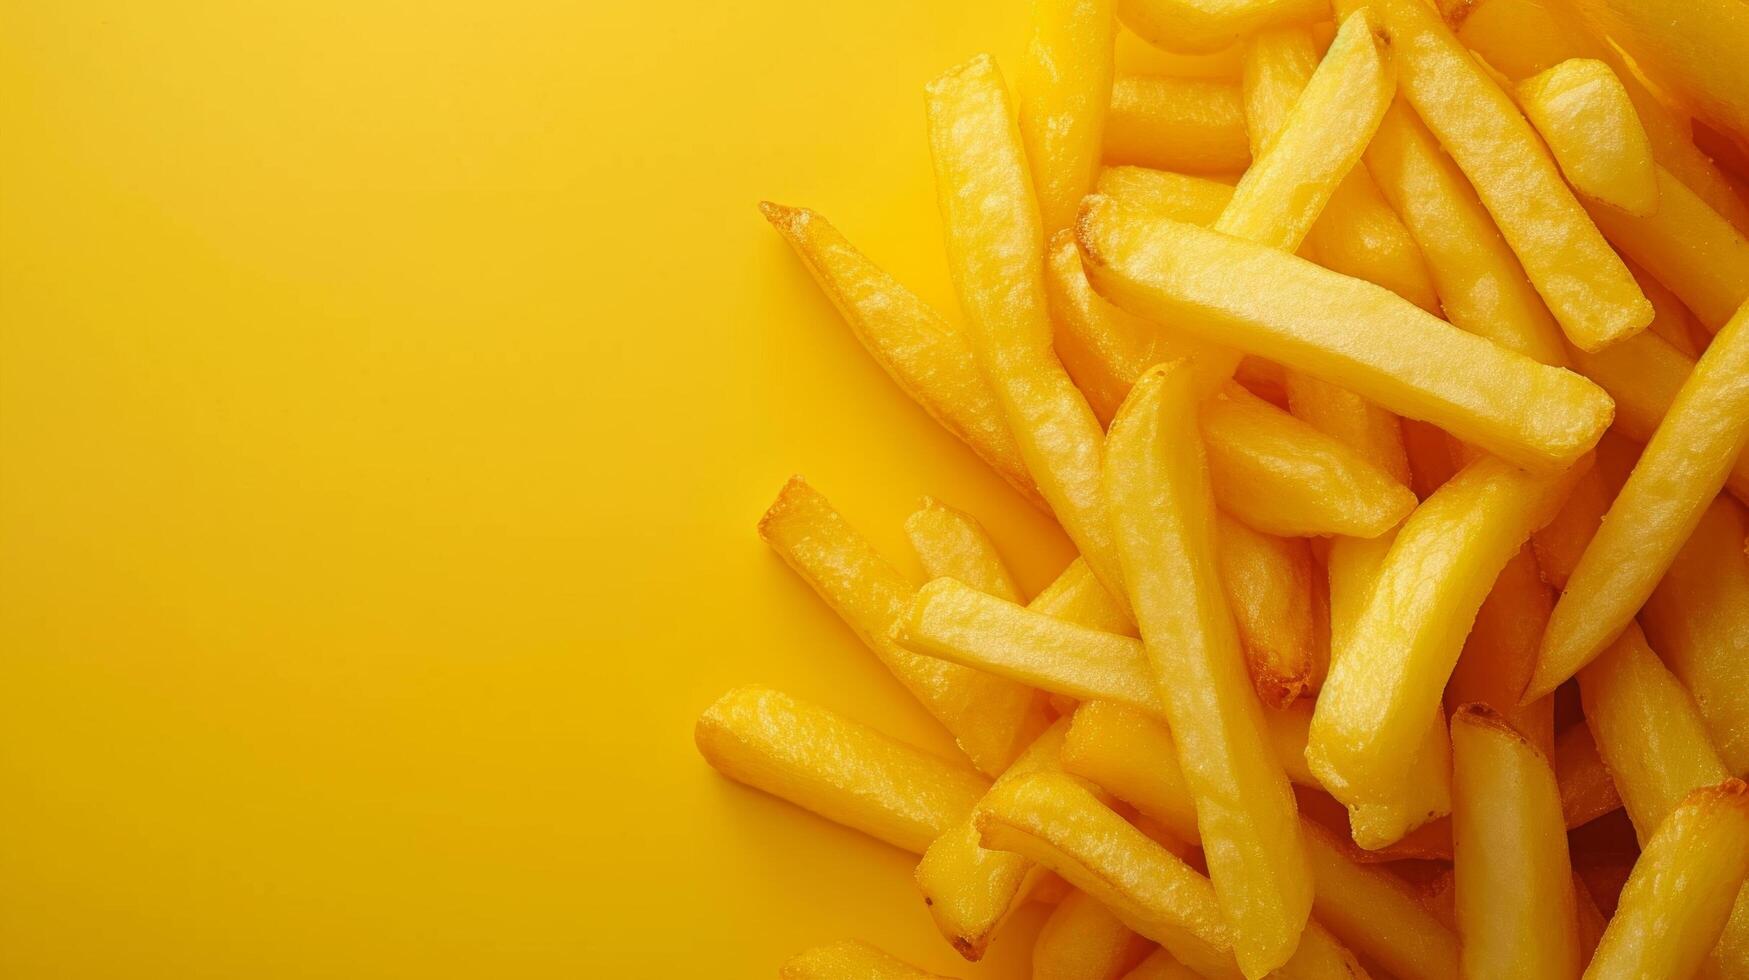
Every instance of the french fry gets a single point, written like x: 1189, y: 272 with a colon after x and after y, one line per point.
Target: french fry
x: 1133, y: 756
x: 1389, y: 675
x: 1160, y: 965
x: 1672, y: 322
x: 1681, y: 470
x: 1162, y: 511
x: 1587, y: 788
x: 1179, y: 124
x: 928, y: 358
x: 850, y: 959
x: 1065, y: 87
x: 1200, y: 26
x: 1586, y: 117
x: 843, y: 771
x: 1075, y: 596
x: 1688, y: 246
x: 1559, y: 544
x: 1360, y: 235
x: 952, y: 544
x: 1268, y: 584
x: 1500, y: 652
x: 1083, y: 940
x: 1582, y: 280
x: 970, y: 891
x: 1680, y: 895
x: 1698, y: 621
x: 1345, y: 331
x: 1181, y: 197
x: 991, y: 718
x: 996, y: 255
x: 1514, y: 883
x: 1591, y: 920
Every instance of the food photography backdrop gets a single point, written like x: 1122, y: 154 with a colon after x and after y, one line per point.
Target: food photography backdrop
x: 388, y: 393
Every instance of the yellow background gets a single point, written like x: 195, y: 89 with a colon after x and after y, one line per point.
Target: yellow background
x: 388, y: 391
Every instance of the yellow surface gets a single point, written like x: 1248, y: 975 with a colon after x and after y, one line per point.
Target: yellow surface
x: 387, y: 395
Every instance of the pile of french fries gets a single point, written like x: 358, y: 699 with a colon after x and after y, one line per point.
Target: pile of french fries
x: 1389, y: 369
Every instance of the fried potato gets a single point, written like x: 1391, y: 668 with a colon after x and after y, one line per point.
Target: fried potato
x: 1083, y: 940
x: 1268, y: 584
x: 1688, y: 246
x: 1077, y: 597
x: 1180, y: 124
x: 850, y: 959
x: 1584, y: 114
x: 1161, y: 966
x: 1500, y: 652
x: 1210, y: 25
x: 1181, y: 197
x: 952, y: 544
x: 1064, y: 88
x: 1587, y: 788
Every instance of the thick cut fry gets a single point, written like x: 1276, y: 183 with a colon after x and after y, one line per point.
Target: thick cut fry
x: 1387, y: 679
x: 929, y: 359
x: 970, y: 890
x: 1585, y: 115
x: 1065, y: 87
x: 850, y: 959
x: 1341, y: 330
x: 1680, y: 895
x: 1160, y: 965
x: 1698, y: 621
x: 1162, y: 510
x: 843, y: 771
x: 1582, y: 280
x: 1083, y: 940
x: 952, y: 544
x: 1587, y: 788
x: 1360, y: 235
x: 1680, y: 472
x: 1268, y: 584
x: 1688, y: 246
x: 1181, y: 197
x: 996, y: 254
x: 1500, y: 652
x: 1210, y: 25
x: 1514, y: 883
x: 1179, y: 124
x: 1482, y: 287
x: 1077, y: 597
x: 991, y: 718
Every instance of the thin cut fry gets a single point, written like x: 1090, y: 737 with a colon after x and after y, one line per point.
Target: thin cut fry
x: 1083, y: 940
x: 1514, y: 883
x: 1582, y: 280
x: 952, y: 544
x: 843, y: 771
x: 991, y: 718
x: 1340, y: 330
x: 1680, y: 894
x: 1587, y: 788
x: 850, y: 959
x: 1179, y: 124
x: 996, y: 254
x: 1065, y: 87
x: 1682, y: 469
x: 1688, y: 246
x: 1585, y: 115
x: 1202, y: 25
x: 1162, y: 511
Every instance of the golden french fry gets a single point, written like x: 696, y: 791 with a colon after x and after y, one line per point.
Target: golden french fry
x: 1587, y: 788
x: 1387, y: 678
x: 1345, y: 331
x: 970, y: 890
x: 952, y: 544
x: 1065, y: 87
x: 1162, y: 513
x: 1559, y: 544
x: 1180, y: 124
x: 1688, y: 246
x: 995, y: 251
x: 843, y: 771
x: 1077, y: 597
x: 1083, y: 940
x: 927, y: 357
x: 1514, y: 883
x: 1268, y: 584
x: 1680, y: 895
x: 1671, y: 320
x: 1585, y: 115
x: 1160, y: 965
x: 1360, y: 235
x: 1133, y: 756
x: 991, y: 718
x: 1500, y: 652
x: 1582, y: 280
x: 1202, y: 25
x: 1181, y: 197
x: 850, y: 959
x: 1698, y: 621
x: 1681, y: 470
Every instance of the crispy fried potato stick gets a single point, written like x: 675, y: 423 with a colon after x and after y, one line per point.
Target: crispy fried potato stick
x: 843, y: 771
x: 1586, y: 117
x: 1083, y: 940
x: 1179, y: 124
x: 1559, y: 544
x: 1340, y: 330
x: 996, y: 254
x: 1680, y: 472
x: 1587, y: 788
x: 1671, y: 321
x: 927, y: 357
x: 990, y: 717
x: 1181, y: 197
x: 952, y: 544
x: 850, y: 959
x: 1133, y: 756
x: 1581, y: 279
x: 1688, y: 246
x: 1065, y: 87
x: 1162, y: 511
x: 1268, y: 584
x: 1161, y: 966
x: 1500, y: 652
x: 1680, y: 895
x: 970, y: 890
x: 1389, y: 675
x: 1077, y: 597
x: 1210, y: 25
x: 1516, y: 909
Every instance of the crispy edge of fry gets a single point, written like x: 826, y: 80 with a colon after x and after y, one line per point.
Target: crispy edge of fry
x: 953, y: 544
x: 850, y: 959
x: 842, y: 770
x: 1178, y: 124
x: 1571, y: 105
x: 1268, y: 584
x: 1064, y: 89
